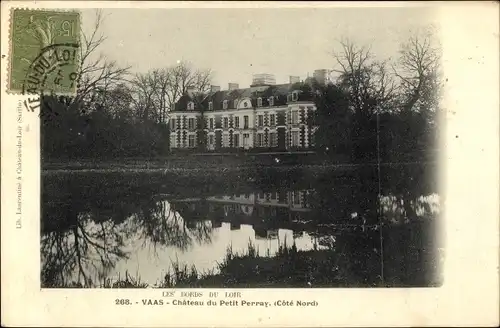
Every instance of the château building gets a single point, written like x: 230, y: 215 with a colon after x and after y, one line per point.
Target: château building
x: 266, y: 116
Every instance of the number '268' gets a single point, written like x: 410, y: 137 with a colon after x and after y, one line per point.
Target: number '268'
x: 121, y: 301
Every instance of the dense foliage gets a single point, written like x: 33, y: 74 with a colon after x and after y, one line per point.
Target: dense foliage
x: 71, y: 132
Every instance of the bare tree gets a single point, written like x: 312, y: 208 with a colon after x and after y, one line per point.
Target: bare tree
x: 117, y: 101
x: 158, y: 90
x: 96, y: 76
x: 418, y: 73
x: 366, y: 80
x: 144, y: 86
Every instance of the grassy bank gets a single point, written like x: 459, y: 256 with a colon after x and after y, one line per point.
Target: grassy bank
x: 193, y: 161
x: 288, y: 268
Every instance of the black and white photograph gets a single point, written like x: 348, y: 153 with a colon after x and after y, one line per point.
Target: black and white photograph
x: 255, y: 148
x: 249, y: 164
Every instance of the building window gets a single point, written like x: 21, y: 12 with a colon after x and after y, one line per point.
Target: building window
x: 246, y: 139
x: 211, y: 123
x: 172, y: 123
x: 236, y: 103
x: 260, y: 139
x: 273, y: 139
x: 224, y: 104
x: 295, y: 117
x: 226, y: 122
x: 190, y: 105
x: 236, y: 140
x: 211, y: 140
x: 245, y: 104
x: 191, y: 141
x: 295, y: 138
x: 245, y: 122
x: 295, y: 96
x: 261, y: 120
x: 210, y: 106
x: 191, y: 123
x: 271, y: 101
x: 237, y: 122
x: 225, y: 140
x: 259, y: 102
x: 273, y: 119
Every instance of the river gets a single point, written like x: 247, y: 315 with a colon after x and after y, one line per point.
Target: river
x: 104, y: 226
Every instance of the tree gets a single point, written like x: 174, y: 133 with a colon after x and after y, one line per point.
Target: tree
x: 419, y: 83
x: 98, y: 120
x: 366, y: 80
x: 369, y: 89
x: 159, y: 90
x: 418, y: 74
x: 334, y: 118
x: 96, y: 76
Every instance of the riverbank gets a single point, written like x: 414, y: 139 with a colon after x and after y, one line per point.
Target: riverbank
x: 303, y: 269
x: 194, y: 161
x: 214, y: 164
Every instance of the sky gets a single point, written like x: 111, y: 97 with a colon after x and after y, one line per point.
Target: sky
x: 236, y: 43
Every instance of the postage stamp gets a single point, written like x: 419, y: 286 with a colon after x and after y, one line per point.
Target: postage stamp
x: 43, y: 51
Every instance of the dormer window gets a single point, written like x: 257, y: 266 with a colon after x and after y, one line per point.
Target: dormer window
x: 245, y: 104
x: 190, y: 105
x: 236, y: 103
x: 224, y: 104
x: 294, y: 96
x: 210, y: 106
x: 271, y: 101
x: 259, y: 102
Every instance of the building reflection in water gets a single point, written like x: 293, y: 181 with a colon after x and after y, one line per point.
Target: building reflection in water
x: 265, y: 220
x: 265, y: 212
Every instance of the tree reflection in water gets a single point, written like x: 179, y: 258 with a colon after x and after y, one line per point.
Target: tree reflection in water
x: 82, y: 254
x: 379, y: 231
x: 87, y: 229
x: 160, y: 225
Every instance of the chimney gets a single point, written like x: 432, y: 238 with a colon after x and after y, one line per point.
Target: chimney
x: 321, y: 76
x: 233, y: 86
x: 294, y: 79
x: 214, y: 88
x: 263, y: 79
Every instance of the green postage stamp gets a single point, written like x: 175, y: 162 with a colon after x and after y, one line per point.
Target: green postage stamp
x: 44, y: 51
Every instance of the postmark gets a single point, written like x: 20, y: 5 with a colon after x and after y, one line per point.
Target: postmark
x: 44, y: 51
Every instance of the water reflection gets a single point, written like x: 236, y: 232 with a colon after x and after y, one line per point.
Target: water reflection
x: 97, y: 227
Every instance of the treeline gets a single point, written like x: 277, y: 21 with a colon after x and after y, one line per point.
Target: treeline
x: 385, y: 136
x: 74, y: 133
x: 387, y: 110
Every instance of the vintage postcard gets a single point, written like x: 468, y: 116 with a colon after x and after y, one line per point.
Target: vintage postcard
x: 249, y: 164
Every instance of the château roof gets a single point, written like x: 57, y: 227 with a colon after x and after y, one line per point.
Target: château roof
x: 280, y: 93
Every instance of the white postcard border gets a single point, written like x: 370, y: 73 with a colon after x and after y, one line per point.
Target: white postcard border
x: 469, y: 169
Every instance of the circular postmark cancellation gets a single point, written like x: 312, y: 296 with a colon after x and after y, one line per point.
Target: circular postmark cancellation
x: 53, y: 72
